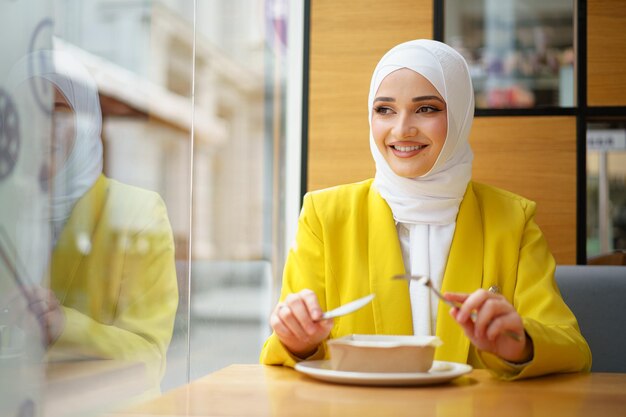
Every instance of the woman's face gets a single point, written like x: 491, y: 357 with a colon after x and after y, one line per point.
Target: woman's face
x: 63, y: 134
x: 409, y: 122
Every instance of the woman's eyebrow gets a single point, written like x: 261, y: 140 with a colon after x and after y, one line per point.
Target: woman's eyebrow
x: 424, y: 98
x: 414, y: 99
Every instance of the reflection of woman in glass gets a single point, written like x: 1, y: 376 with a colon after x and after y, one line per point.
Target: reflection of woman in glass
x: 422, y: 214
x: 113, y: 289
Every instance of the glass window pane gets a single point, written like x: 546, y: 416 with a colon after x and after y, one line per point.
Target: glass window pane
x: 25, y: 130
x: 520, y: 52
x: 140, y: 56
x: 606, y: 191
x: 240, y: 82
x: 104, y: 168
x: 107, y: 108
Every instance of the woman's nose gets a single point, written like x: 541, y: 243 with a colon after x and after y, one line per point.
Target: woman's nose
x: 404, y: 128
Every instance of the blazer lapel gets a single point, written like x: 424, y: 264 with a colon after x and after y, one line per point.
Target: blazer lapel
x: 391, y: 306
x: 463, y: 273
x: 71, y: 248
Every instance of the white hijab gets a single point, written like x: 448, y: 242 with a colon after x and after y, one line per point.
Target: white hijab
x: 428, y: 205
x: 434, y: 197
x: 83, y: 165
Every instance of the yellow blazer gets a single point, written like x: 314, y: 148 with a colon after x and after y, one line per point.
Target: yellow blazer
x: 113, y: 271
x: 347, y: 246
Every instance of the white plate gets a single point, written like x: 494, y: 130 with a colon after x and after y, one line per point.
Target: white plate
x: 439, y: 373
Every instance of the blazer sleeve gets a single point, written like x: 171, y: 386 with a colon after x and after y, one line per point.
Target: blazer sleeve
x: 558, y: 344
x: 304, y: 268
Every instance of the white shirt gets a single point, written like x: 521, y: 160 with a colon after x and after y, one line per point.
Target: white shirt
x: 434, y: 247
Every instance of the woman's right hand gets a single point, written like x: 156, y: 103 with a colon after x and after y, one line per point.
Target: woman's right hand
x: 297, y: 321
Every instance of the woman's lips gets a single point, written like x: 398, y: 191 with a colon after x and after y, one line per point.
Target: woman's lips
x: 407, y: 150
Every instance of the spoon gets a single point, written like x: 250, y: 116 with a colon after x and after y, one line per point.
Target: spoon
x: 348, y: 308
x: 424, y: 280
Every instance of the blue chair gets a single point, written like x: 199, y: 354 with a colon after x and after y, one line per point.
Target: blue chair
x: 597, y: 297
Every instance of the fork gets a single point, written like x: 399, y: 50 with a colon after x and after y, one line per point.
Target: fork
x: 424, y: 280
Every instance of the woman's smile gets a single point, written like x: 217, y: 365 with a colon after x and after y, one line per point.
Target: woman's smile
x: 407, y: 149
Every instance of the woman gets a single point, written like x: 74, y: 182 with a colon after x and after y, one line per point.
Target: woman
x: 423, y: 215
x: 112, y: 290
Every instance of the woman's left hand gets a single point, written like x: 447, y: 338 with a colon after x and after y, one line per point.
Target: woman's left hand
x: 46, y: 307
x: 494, y: 317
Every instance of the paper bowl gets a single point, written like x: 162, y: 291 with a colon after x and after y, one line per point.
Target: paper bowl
x: 382, y: 353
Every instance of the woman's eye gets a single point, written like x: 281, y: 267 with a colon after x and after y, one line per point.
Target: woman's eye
x: 382, y: 110
x: 426, y: 109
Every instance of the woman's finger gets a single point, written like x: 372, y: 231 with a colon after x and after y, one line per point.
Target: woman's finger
x: 312, y: 304
x: 38, y: 307
x: 287, y: 316
x: 506, y: 322
x: 458, y: 297
x: 301, y: 313
x: 54, y: 321
x: 492, y: 307
x: 467, y: 325
x: 277, y: 324
x: 473, y: 303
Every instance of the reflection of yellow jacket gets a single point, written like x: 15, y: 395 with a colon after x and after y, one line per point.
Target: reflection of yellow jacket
x: 347, y: 247
x: 113, y: 271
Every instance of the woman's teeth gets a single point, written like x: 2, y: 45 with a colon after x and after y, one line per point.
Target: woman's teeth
x: 408, y: 148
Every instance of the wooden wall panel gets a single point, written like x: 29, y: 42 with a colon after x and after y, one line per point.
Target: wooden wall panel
x: 536, y: 158
x: 346, y: 41
x: 606, y: 53
x: 532, y: 156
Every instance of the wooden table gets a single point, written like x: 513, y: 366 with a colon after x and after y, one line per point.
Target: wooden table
x: 83, y: 387
x: 256, y: 390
